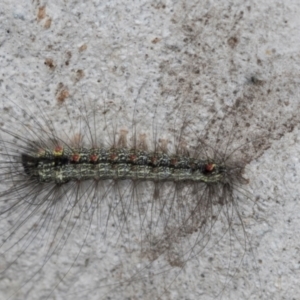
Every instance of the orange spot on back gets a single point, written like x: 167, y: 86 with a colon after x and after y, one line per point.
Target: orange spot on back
x: 209, y: 167
x: 93, y: 158
x: 75, y: 157
x: 58, y: 151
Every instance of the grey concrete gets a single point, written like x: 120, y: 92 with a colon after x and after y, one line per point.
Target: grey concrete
x: 171, y: 61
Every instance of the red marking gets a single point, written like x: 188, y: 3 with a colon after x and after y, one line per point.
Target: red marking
x: 132, y: 157
x: 153, y: 160
x: 209, y: 167
x: 113, y: 156
x: 75, y: 157
x: 174, y: 162
x: 58, y: 149
x: 93, y: 158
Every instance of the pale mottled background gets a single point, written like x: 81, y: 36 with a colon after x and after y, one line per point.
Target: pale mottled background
x: 174, y: 59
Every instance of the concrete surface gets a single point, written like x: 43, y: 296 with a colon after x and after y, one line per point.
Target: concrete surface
x: 160, y: 62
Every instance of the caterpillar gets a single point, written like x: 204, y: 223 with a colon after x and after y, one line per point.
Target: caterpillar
x: 181, y: 104
x: 58, y: 182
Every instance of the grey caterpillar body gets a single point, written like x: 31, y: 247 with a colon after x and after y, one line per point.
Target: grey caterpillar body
x: 62, y: 165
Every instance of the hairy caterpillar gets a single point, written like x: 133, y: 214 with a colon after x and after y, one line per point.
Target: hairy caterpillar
x: 189, y: 81
x: 54, y: 186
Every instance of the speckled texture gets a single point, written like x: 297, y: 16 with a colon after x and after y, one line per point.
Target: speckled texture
x: 172, y: 61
